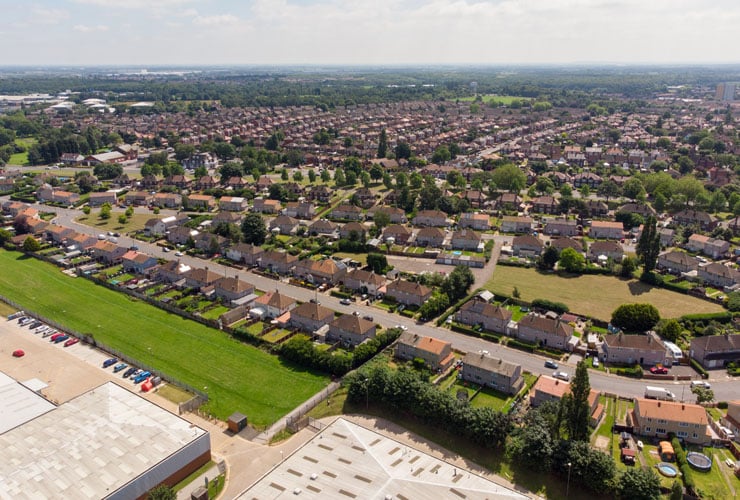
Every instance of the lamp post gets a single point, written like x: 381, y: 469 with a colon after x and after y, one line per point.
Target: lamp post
x: 567, y: 485
x: 367, y: 392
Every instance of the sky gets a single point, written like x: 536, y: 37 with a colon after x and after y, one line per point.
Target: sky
x: 368, y: 32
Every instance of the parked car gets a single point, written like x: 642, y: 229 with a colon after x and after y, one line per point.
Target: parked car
x: 136, y: 373
x: 701, y: 383
x: 561, y: 375
x: 141, y: 377
x: 658, y: 370
x: 55, y: 336
x: 18, y: 353
x: 34, y: 325
x: 109, y: 361
x: 178, y: 254
x: 551, y: 364
x: 61, y: 339
x: 50, y: 333
x: 166, y: 249
x: 595, y: 362
x: 119, y: 367
x: 129, y: 372
x: 71, y: 341
x: 345, y: 302
x: 367, y: 317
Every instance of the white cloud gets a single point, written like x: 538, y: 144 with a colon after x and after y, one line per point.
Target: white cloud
x: 41, y: 15
x: 217, y: 20
x: 135, y: 4
x: 187, y: 13
x: 82, y: 28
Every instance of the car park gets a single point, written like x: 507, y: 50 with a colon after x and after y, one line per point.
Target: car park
x: 551, y: 364
x: 119, y: 367
x: 561, y: 375
x: 129, y: 372
x: 61, y: 339
x: 71, y: 341
x: 659, y: 370
x: 109, y: 361
x: 18, y: 353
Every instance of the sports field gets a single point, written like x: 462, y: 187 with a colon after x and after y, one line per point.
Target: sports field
x: 594, y: 295
x: 237, y: 377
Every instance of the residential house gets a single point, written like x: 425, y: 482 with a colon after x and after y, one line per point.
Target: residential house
x: 676, y: 262
x: 429, y: 237
x: 265, y: 206
x: 408, y: 293
x: 108, y: 252
x: 596, y: 208
x: 226, y: 218
x: 395, y: 214
x: 81, y: 242
x: 237, y: 183
x: 719, y: 275
x: 606, y: 230
x: 466, y: 239
x: 399, y: 233
x: 560, y: 227
x: 205, y: 182
x: 732, y: 419
x: 244, y: 252
x: 600, y: 251
x: 695, y: 217
x: 346, y: 211
x: 347, y: 229
x: 546, y: 205
x: 509, y: 201
x: 586, y: 179
x: 275, y: 304
x: 35, y: 226
x: 552, y: 389
x: 561, y: 244
x: 642, y: 209
x: 320, y: 271
x: 476, y: 198
x: 715, y: 351
x: 482, y: 369
x: 137, y: 262
x: 167, y: 200
x: 232, y: 203
x: 437, y: 354
x: 350, y: 330
x: 231, y: 289
x: 657, y: 419
x: 365, y: 197
x: 278, y: 262
x: 150, y: 183
x: 645, y: 350
x: 320, y: 193
x: 477, y: 221
x: 211, y: 243
x: 284, y: 224
x: 201, y: 202
x: 309, y: 317
x: 172, y: 271
x: 201, y: 278
x: 362, y: 281
x: 300, y: 210
x: 712, y: 247
x: 263, y: 183
x: 58, y: 234
x: 480, y: 312
x: 433, y: 218
x: 325, y: 227
x: 180, y: 235
x: 179, y: 181
x: 159, y: 227
x: 510, y: 224
x: 526, y: 245
x: 551, y: 332
x: 138, y: 198
x: 98, y: 199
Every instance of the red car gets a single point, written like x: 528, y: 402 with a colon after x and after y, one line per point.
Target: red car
x: 56, y: 336
x: 18, y: 353
x: 71, y: 341
x: 658, y: 370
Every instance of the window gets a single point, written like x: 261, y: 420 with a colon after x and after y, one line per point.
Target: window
x: 682, y: 434
x: 659, y: 430
x: 647, y: 429
x: 650, y: 419
x: 683, y: 424
x: 696, y: 435
x: 661, y: 421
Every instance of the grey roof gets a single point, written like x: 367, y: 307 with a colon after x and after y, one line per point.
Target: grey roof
x: 490, y: 364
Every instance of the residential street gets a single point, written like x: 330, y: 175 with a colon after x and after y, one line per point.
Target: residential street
x: 724, y: 388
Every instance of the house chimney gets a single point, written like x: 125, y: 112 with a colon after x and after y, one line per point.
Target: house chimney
x: 658, y: 404
x: 683, y: 406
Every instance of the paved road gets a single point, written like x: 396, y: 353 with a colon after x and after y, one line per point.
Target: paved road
x: 724, y: 388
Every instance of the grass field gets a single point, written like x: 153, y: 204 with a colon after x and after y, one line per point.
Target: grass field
x: 237, y: 377
x: 489, y: 98
x: 135, y: 223
x: 594, y: 295
x: 22, y: 158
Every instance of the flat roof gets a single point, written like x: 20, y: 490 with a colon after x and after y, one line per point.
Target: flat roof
x: 346, y: 460
x: 90, y: 446
x: 19, y: 404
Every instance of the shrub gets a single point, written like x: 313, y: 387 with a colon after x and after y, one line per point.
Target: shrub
x: 695, y: 364
x: 722, y: 405
x: 558, y: 307
x: 723, y: 317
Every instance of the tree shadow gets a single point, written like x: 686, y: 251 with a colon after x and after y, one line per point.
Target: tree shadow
x: 639, y: 288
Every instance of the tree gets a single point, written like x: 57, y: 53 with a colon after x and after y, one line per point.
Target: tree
x: 509, y: 177
x: 416, y: 180
x: 585, y: 191
x: 635, y: 317
x: 677, y: 491
x: 629, y: 266
x: 376, y: 172
x: 254, y: 229
x: 311, y: 176
x: 718, y: 202
x: 377, y: 262
x: 429, y: 197
x: 608, y: 189
x: 365, y: 179
x: 107, y: 171
x: 648, y: 246
x: 381, y: 220
x: 402, y: 151
x: 578, y: 410
x: 669, y: 329
x: 703, y: 395
x: 31, y: 244
x: 544, y: 185
x: 387, y: 180
x: 639, y: 484
x: 565, y: 190
x: 383, y: 144
x: 162, y: 492
x: 284, y: 175
x: 402, y: 180
x: 86, y: 210
x: 122, y: 219
x: 273, y: 142
x: 690, y: 187
x: 571, y: 260
x: 549, y: 258
x: 5, y: 236
x: 339, y: 178
x: 441, y: 154
x: 105, y: 210
x: 534, y: 446
x: 457, y: 283
x: 633, y: 189
x: 325, y: 176
x: 230, y: 169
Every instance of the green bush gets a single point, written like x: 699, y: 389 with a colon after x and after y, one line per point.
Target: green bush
x: 522, y: 346
x: 558, y: 307
x: 722, y: 317
x: 341, y: 295
x: 629, y: 371
x: 683, y: 466
x: 695, y: 364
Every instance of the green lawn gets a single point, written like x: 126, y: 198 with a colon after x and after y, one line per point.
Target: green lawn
x: 22, y: 158
x: 505, y: 99
x: 135, y: 223
x: 236, y: 376
x: 594, y: 295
